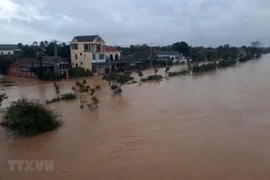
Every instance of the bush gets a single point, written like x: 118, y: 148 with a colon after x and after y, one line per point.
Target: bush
x: 66, y: 97
x: 29, y: 117
x: 69, y: 96
x: 204, y: 67
x: 177, y: 73
x: 226, y: 63
x: 53, y: 100
x: 152, y: 78
x: 79, y: 72
x: 258, y: 55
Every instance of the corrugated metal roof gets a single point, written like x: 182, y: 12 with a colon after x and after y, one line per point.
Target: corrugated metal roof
x: 8, y: 47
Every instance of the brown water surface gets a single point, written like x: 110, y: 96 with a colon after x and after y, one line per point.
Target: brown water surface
x: 214, y: 126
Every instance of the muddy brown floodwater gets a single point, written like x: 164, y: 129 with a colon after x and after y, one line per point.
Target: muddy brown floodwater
x: 214, y: 126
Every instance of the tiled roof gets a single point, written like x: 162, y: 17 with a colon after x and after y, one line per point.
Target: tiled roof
x: 110, y: 48
x: 86, y: 38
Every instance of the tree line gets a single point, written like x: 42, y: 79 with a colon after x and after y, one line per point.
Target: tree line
x: 31, y: 51
x: 201, y: 53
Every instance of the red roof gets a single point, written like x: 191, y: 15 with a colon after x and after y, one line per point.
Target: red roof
x: 110, y: 48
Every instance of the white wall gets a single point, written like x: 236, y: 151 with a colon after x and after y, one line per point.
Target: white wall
x: 6, y: 52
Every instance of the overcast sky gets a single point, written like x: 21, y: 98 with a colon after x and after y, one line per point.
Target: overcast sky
x: 125, y: 22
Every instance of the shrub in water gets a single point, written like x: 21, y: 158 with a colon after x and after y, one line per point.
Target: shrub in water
x: 177, y: 73
x: 226, y: 63
x: 29, y: 117
x: 204, y: 67
x: 152, y: 78
x: 68, y: 96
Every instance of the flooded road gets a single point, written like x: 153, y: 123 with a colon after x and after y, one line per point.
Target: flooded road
x: 214, y: 126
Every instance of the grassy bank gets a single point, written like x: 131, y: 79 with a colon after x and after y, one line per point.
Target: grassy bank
x: 177, y: 73
x: 155, y: 77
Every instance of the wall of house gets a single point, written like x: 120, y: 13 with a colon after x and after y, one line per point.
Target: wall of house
x: 79, y: 58
x: 85, y: 59
x: 14, y: 69
x: 6, y: 52
x: 113, y: 53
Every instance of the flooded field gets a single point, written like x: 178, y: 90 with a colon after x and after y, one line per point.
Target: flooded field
x: 213, y: 126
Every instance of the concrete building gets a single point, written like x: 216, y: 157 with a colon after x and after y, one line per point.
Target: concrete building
x: 86, y: 50
x: 172, y: 55
x: 112, y: 53
x: 9, y: 49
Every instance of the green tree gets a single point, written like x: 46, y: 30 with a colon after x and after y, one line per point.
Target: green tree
x: 5, y: 62
x: 85, y: 91
x: 29, y: 117
x: 2, y: 98
x: 118, y: 80
x: 140, y: 74
x: 181, y: 47
x: 57, y: 89
x: 167, y: 70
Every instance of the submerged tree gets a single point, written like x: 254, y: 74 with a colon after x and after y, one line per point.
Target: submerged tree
x: 140, y: 74
x: 118, y: 80
x: 156, y: 70
x: 167, y: 70
x: 85, y: 91
x: 2, y: 98
x: 57, y: 89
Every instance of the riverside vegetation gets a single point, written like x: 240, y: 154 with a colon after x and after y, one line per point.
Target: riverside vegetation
x: 59, y: 97
x: 28, y: 117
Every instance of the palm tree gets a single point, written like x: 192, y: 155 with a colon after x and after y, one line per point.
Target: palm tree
x: 35, y: 43
x: 42, y: 44
x: 46, y: 43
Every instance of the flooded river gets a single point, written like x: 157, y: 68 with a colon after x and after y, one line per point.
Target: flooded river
x: 214, y: 126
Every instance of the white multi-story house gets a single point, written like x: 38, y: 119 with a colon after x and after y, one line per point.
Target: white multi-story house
x: 87, y: 51
x: 9, y: 49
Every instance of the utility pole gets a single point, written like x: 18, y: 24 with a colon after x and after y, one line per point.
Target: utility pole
x: 108, y: 58
x: 55, y: 60
x: 151, y: 53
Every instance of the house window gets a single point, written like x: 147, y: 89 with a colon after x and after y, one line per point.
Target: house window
x: 101, y: 56
x: 116, y: 57
x: 94, y: 56
x: 81, y: 63
x: 111, y: 56
x: 76, y: 57
x: 76, y: 65
x: 72, y: 64
x: 80, y: 54
x: 74, y: 46
x: 86, y: 48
